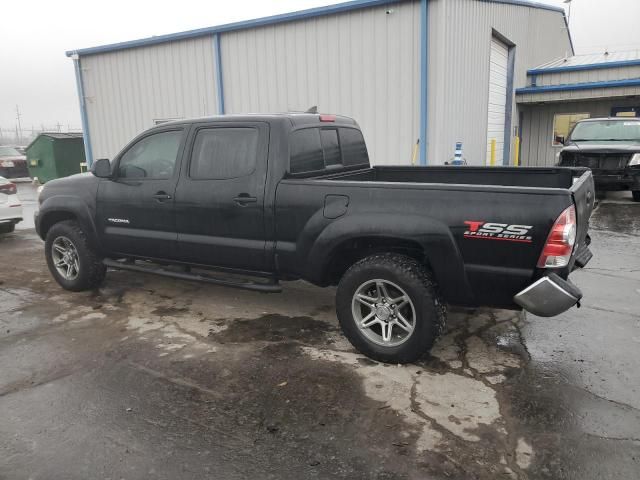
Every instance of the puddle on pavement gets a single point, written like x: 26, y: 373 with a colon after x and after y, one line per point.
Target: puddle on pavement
x: 448, y: 405
x: 618, y: 218
x: 295, y: 382
x: 274, y: 328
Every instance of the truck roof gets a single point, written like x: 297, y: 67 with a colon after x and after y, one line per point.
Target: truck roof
x: 296, y: 119
x: 609, y: 119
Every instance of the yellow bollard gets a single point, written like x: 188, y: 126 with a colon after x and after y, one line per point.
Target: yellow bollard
x: 516, y: 152
x: 493, y: 152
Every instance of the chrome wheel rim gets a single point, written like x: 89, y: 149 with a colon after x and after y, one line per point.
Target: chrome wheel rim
x: 65, y: 258
x: 383, y: 312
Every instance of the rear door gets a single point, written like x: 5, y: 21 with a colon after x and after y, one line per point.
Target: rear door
x: 135, y: 210
x: 220, y: 196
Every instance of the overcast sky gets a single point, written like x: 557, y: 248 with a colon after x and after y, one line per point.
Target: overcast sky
x: 36, y: 75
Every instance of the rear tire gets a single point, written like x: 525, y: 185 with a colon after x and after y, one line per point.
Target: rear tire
x: 636, y: 195
x: 71, y: 259
x: 400, y: 329
x: 7, y: 227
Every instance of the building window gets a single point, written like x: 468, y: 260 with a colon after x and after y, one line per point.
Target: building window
x: 625, y: 112
x: 562, y: 125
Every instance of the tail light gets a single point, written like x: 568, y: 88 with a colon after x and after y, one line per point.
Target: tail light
x: 327, y: 118
x: 8, y: 188
x: 560, y: 242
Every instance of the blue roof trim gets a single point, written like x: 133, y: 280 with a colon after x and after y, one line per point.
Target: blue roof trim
x: 633, y: 82
x: 258, y: 22
x: 282, y: 18
x: 588, y: 66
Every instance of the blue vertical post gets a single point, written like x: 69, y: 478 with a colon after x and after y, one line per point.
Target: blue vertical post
x: 86, y: 136
x: 217, y: 52
x: 424, y: 72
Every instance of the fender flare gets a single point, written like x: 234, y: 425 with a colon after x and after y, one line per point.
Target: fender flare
x: 71, y: 205
x: 435, y: 238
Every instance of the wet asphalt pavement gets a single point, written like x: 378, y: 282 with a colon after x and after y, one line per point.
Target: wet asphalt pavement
x: 161, y: 379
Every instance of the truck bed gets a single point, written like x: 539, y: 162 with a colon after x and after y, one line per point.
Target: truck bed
x: 432, y: 204
x: 500, y: 176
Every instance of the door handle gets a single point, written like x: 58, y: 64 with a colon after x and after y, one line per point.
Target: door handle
x: 243, y: 200
x: 162, y: 196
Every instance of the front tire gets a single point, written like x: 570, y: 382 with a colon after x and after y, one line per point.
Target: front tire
x: 636, y: 195
x: 71, y: 259
x: 389, y: 308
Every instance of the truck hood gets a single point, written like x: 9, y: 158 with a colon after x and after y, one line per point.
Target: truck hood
x: 80, y: 182
x: 603, y: 147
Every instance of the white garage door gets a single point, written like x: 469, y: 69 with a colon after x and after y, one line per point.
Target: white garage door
x: 497, y: 98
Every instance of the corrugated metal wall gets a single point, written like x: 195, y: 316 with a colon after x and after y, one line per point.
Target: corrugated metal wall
x: 363, y: 64
x: 459, y: 46
x: 127, y: 90
x: 537, y: 126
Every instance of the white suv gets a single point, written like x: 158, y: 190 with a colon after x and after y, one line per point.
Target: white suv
x: 10, y: 206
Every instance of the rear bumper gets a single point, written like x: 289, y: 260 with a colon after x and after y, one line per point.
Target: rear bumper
x: 548, y: 296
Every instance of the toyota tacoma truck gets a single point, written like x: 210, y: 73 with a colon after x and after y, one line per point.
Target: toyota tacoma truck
x: 249, y: 201
x: 610, y: 147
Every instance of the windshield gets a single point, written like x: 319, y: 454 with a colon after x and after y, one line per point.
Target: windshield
x: 607, y: 130
x: 9, y: 152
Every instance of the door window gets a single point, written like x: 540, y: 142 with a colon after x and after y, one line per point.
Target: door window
x: 222, y: 153
x: 153, y: 157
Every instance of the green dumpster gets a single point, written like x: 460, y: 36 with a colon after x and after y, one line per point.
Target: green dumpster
x: 55, y: 155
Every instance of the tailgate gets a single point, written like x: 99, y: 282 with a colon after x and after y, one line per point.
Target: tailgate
x: 583, y: 191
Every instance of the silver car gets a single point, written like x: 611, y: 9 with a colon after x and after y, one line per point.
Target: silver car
x: 10, y: 206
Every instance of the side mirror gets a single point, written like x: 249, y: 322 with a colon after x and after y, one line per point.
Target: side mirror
x: 101, y: 168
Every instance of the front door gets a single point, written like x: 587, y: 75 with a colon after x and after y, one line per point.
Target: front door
x: 220, y: 196
x: 135, y: 209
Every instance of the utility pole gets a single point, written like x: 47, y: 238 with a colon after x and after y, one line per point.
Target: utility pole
x: 19, y: 127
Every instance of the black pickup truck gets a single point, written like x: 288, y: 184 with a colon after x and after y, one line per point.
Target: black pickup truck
x: 293, y: 196
x: 610, y: 147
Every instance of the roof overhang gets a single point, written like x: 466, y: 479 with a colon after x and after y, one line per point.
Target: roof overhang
x: 579, y: 91
x: 282, y: 18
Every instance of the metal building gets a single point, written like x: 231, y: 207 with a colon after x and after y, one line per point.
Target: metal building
x: 562, y: 92
x: 437, y: 71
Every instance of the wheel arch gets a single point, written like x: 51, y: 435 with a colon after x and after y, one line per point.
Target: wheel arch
x: 351, y: 238
x: 58, y: 209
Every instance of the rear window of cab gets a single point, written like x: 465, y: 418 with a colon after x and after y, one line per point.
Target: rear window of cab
x: 317, y: 149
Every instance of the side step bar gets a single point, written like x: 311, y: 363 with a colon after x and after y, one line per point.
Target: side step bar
x: 264, y: 287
